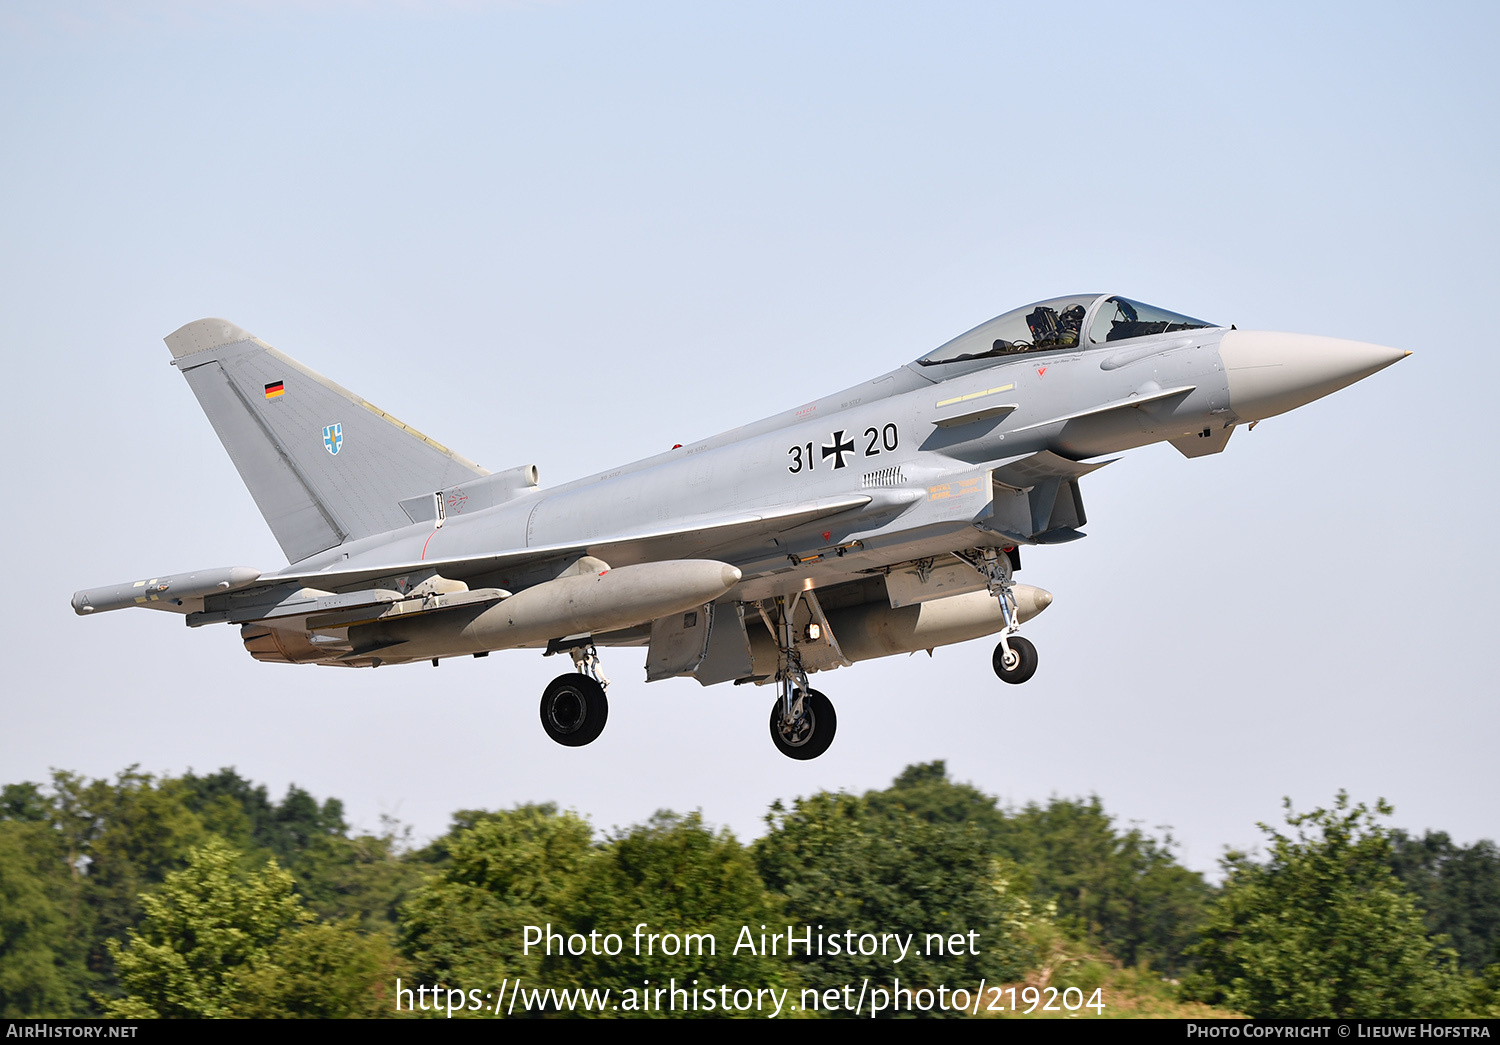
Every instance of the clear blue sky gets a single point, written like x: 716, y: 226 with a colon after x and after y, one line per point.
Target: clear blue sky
x: 574, y: 234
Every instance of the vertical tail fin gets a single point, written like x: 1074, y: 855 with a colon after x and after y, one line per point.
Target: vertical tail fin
x: 323, y: 465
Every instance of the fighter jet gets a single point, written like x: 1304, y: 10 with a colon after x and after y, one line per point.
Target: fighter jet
x: 886, y: 518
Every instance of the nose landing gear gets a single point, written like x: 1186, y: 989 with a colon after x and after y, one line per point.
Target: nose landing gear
x: 1015, y: 658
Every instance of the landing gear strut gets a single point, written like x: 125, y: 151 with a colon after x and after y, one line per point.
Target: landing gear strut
x: 1015, y: 658
x: 574, y: 707
x: 802, y: 719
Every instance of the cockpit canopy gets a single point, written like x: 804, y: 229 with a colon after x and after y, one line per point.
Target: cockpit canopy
x: 1057, y: 323
x: 1121, y: 318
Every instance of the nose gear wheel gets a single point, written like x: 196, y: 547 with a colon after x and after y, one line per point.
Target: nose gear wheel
x: 1015, y: 660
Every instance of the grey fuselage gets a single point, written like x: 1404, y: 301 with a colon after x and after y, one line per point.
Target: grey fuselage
x: 877, y: 438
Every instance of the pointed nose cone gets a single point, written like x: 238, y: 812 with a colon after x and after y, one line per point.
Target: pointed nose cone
x: 1272, y: 373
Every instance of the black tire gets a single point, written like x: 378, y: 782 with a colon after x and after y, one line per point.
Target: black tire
x: 1025, y: 661
x: 815, y: 732
x: 574, y: 710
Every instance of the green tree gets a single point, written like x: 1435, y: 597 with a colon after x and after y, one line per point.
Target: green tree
x: 218, y: 942
x: 1458, y: 888
x: 111, y: 838
x: 203, y: 925
x: 365, y: 878
x: 924, y: 791
x: 42, y: 938
x: 531, y: 866
x: 319, y: 970
x: 851, y: 865
x: 1323, y: 929
x: 678, y: 877
x: 25, y: 802
x: 124, y: 836
x: 503, y: 871
x: 76, y: 856
x: 243, y: 814
x: 1122, y: 889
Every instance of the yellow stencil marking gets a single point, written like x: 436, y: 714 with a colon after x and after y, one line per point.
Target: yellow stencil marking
x: 942, y: 491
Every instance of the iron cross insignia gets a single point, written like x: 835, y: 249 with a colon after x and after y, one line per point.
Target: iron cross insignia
x: 838, y: 449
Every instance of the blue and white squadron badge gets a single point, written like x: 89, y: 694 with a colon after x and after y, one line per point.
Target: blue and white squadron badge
x: 333, y: 437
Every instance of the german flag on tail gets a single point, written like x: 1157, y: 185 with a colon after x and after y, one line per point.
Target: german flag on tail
x: 274, y: 389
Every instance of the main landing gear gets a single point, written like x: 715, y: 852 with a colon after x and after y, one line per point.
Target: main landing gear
x: 803, y: 721
x: 574, y: 707
x: 808, y: 731
x: 1015, y: 658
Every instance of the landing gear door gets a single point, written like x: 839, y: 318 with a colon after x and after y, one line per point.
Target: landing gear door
x: 931, y: 580
x: 679, y: 643
x: 1009, y: 514
x: 728, y: 655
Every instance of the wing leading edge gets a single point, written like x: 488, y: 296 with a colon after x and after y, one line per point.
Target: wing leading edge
x: 207, y: 596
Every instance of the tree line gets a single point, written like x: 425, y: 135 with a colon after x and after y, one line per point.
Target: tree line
x: 197, y: 896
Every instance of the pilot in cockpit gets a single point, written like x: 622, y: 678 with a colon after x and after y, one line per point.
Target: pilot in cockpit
x: 1053, y: 329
